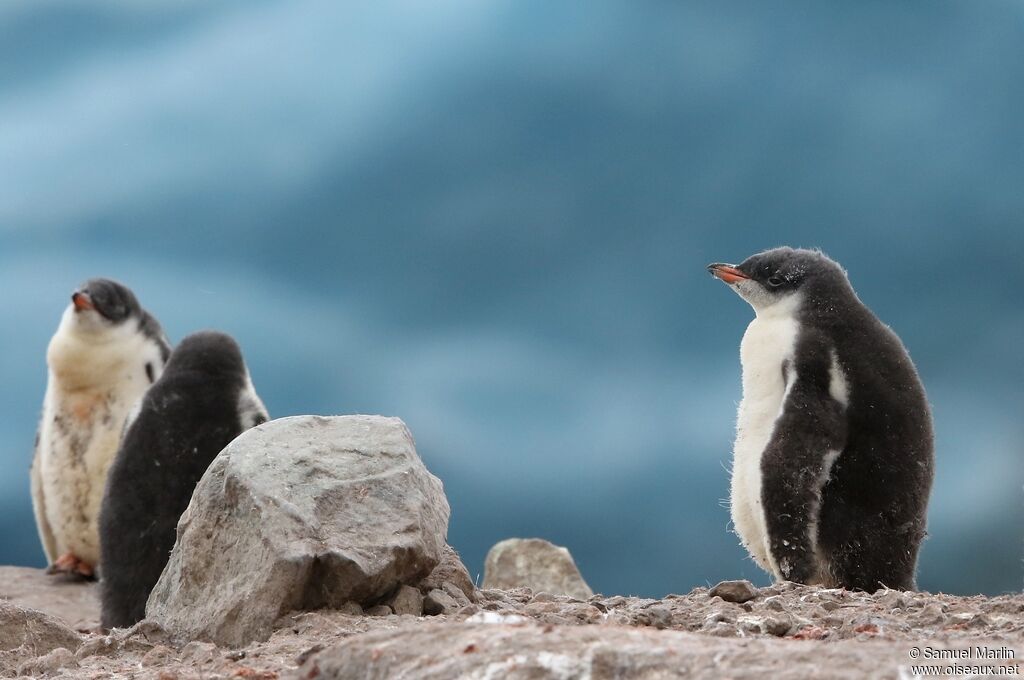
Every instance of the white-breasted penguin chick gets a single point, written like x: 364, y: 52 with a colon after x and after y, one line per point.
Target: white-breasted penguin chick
x: 833, y: 459
x: 204, y: 399
x: 106, y: 353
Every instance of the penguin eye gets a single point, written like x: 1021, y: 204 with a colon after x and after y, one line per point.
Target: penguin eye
x: 775, y: 281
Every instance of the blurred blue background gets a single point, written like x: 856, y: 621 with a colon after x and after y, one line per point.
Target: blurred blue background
x: 492, y: 220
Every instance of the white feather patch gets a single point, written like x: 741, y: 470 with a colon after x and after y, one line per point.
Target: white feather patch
x: 838, y: 388
x: 770, y: 340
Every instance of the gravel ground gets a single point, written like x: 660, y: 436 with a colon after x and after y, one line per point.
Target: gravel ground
x: 785, y: 630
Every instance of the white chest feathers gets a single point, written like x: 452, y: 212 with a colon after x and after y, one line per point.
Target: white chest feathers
x: 95, y: 379
x: 769, y: 342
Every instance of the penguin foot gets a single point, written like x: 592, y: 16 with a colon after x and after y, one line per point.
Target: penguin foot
x: 71, y: 565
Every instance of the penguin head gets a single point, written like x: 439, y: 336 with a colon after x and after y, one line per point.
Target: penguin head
x: 780, y: 277
x: 215, y: 359
x: 208, y: 352
x: 102, y: 303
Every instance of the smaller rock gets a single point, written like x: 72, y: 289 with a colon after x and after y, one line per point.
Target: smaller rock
x: 811, y: 633
x: 659, y: 617
x: 158, y: 656
x: 150, y: 630
x: 722, y: 630
x: 27, y: 634
x: 617, y: 617
x: 892, y: 599
x: 105, y: 645
x: 588, y: 613
x: 456, y: 594
x: 542, y: 608
x: 543, y: 597
x: 833, y: 621
x: 734, y: 591
x: 777, y: 625
x: 830, y: 605
x: 931, y: 615
x: 468, y: 610
x: 750, y: 625
x: 307, y: 653
x: 50, y: 663
x: 408, y: 600
x: 973, y: 620
x: 351, y: 608
x: 774, y: 603
x: 714, y: 618
x: 199, y: 652
x: 450, y: 570
x: 522, y: 594
x: 537, y: 564
x: 439, y: 602
x: 489, y: 595
x: 380, y: 610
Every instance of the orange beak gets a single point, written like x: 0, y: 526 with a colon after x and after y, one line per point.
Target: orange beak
x: 82, y: 301
x: 727, y: 272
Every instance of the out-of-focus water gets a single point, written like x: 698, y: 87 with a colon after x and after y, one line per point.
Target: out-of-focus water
x: 492, y: 220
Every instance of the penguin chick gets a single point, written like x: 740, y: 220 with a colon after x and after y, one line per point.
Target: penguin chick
x: 204, y: 400
x: 833, y: 458
x: 106, y: 352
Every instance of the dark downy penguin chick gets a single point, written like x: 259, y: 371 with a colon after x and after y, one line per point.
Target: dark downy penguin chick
x: 833, y: 459
x: 204, y: 400
x: 106, y: 353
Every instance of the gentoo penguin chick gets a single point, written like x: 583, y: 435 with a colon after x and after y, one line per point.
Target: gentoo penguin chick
x: 106, y: 352
x: 204, y: 400
x: 833, y: 459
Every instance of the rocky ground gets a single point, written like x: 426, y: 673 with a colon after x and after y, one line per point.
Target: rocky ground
x: 733, y: 631
x: 337, y: 520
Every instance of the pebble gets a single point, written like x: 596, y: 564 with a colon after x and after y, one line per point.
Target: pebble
x: 734, y: 591
x: 439, y: 602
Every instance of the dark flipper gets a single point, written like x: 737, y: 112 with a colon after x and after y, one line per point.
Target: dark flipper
x: 809, y: 433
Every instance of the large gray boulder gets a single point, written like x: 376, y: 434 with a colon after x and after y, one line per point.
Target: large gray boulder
x: 536, y: 564
x: 300, y: 513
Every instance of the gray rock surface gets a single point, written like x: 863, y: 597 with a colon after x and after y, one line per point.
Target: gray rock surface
x: 536, y: 564
x: 49, y: 664
x: 300, y: 513
x: 407, y: 600
x: 528, y: 651
x: 735, y: 591
x: 452, y: 571
x: 439, y: 602
x: 26, y: 634
x: 866, y: 636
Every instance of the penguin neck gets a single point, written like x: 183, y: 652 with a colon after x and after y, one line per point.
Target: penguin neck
x: 786, y: 308
x: 86, y: 358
